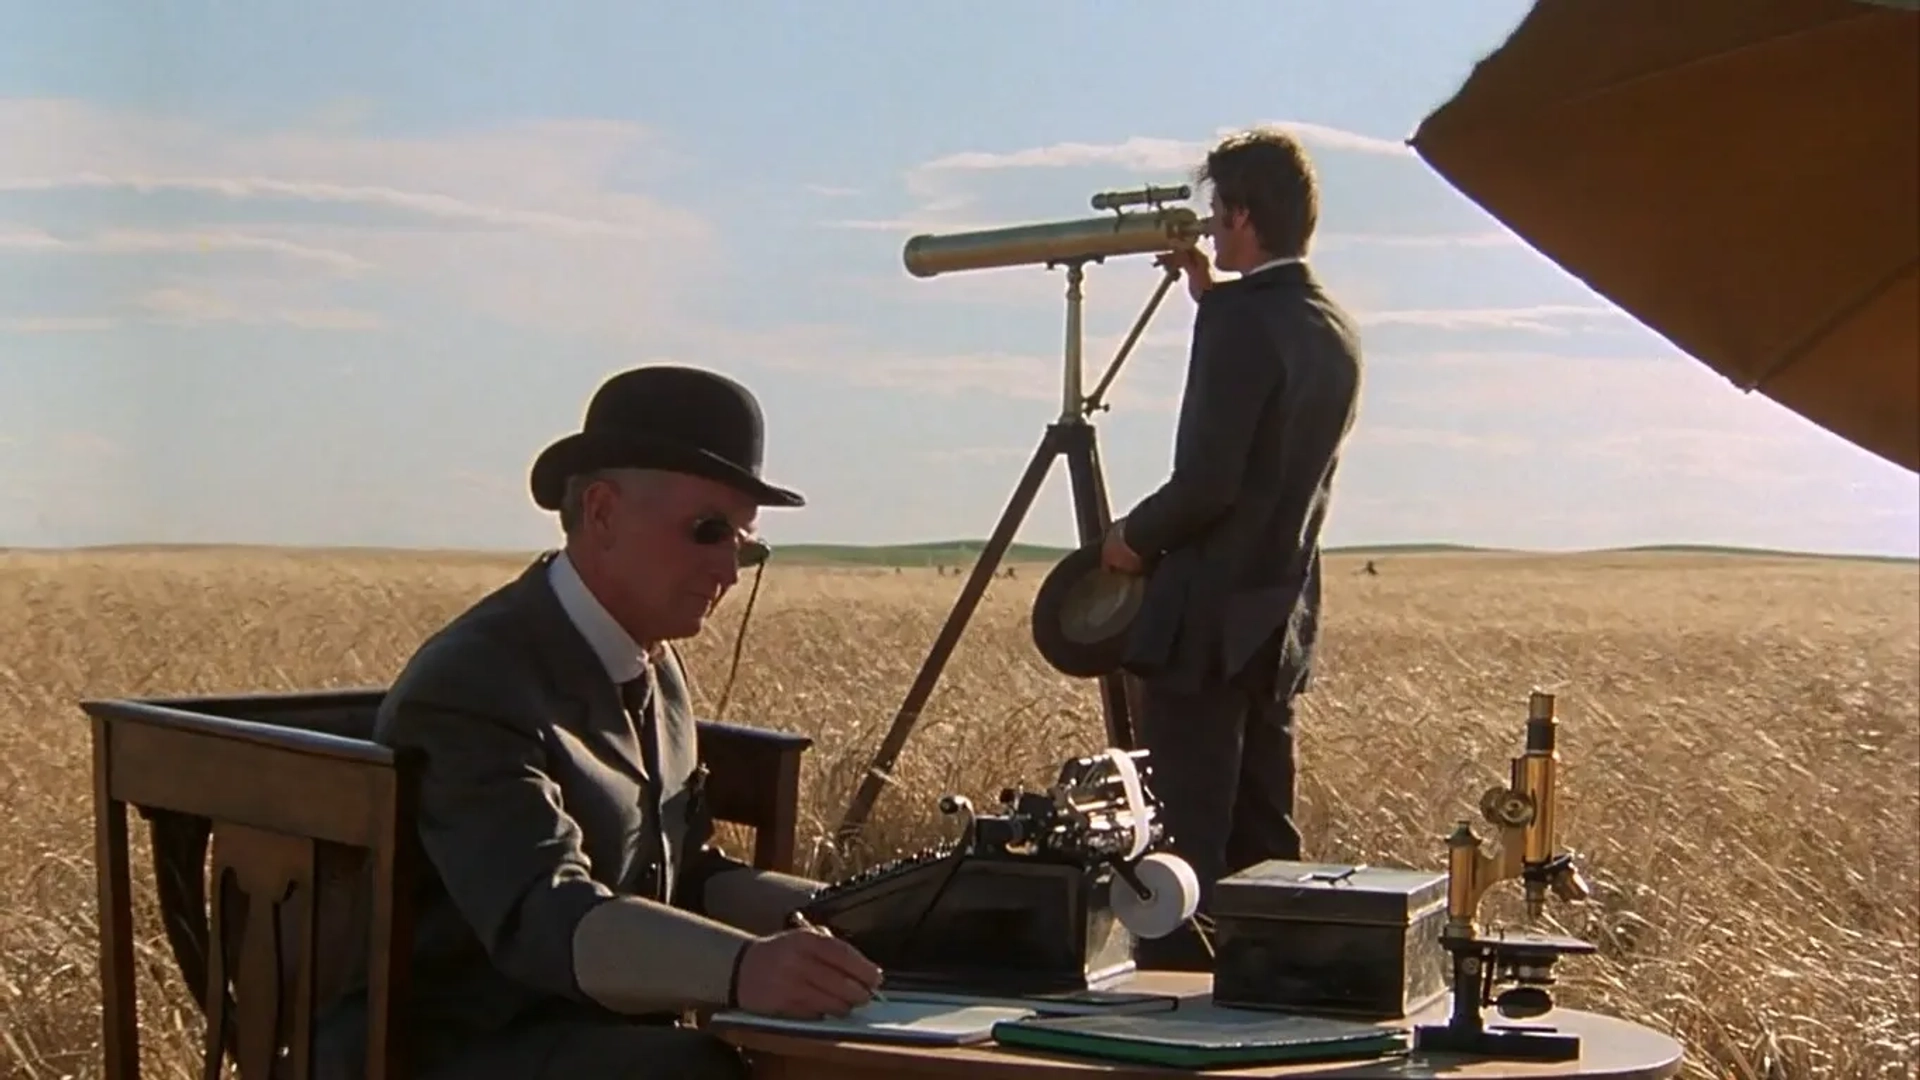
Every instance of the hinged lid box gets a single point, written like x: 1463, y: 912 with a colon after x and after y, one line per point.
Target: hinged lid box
x: 1337, y: 892
x: 1330, y: 937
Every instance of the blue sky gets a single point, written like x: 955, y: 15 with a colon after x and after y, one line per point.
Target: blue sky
x: 333, y: 274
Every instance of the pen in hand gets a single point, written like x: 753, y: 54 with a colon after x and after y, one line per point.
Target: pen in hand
x: 798, y: 921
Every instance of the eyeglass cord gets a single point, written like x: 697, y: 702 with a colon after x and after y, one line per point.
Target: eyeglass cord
x: 739, y: 642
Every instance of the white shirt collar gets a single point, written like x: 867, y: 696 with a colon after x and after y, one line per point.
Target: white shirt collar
x: 1271, y: 263
x: 617, y: 651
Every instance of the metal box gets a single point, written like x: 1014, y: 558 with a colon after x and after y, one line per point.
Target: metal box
x: 1329, y: 938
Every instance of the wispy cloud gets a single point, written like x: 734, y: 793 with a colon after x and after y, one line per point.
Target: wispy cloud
x: 56, y: 324
x: 940, y: 188
x: 912, y: 223
x: 976, y: 455
x: 1642, y: 441
x: 1150, y: 380
x: 1013, y: 375
x: 1539, y: 318
x: 205, y: 305
x: 186, y: 242
x: 429, y: 204
x: 1501, y: 443
x: 1146, y: 154
x: 1492, y: 238
x: 540, y: 223
x: 1660, y: 409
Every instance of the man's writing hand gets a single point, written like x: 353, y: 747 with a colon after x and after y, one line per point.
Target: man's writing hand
x: 1191, y: 263
x: 804, y: 974
x: 1115, y: 555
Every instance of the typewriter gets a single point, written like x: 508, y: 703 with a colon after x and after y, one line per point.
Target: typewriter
x: 1023, y: 903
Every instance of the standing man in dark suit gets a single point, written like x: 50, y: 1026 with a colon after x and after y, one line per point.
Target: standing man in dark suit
x: 572, y: 907
x: 1231, y: 541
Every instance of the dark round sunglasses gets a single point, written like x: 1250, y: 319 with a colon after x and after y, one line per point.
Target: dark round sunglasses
x: 709, y: 531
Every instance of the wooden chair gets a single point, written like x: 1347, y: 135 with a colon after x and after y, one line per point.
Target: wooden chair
x: 307, y: 818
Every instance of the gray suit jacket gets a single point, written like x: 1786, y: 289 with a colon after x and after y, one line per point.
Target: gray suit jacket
x: 539, y: 804
x: 1233, y: 536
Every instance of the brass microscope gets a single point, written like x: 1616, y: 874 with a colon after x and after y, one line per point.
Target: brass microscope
x: 1524, y: 812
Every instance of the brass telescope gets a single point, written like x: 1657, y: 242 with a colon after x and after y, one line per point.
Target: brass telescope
x: 1090, y: 239
x: 1153, y: 229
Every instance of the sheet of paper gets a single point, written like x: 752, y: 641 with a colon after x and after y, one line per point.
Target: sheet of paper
x: 1066, y: 1003
x: 892, y: 1021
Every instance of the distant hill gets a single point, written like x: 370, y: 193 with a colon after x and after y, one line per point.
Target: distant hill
x: 1416, y: 549
x: 1761, y: 553
x: 932, y: 553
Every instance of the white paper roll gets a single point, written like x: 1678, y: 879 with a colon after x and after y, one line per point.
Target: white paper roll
x: 1173, y: 894
x: 1136, y: 799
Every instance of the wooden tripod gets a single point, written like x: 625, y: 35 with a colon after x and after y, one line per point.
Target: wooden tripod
x: 1072, y: 436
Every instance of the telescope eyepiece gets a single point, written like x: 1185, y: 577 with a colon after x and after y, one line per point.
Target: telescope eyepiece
x: 1151, y: 195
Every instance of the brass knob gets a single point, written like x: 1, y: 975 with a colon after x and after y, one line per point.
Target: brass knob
x: 1506, y: 807
x: 1569, y: 885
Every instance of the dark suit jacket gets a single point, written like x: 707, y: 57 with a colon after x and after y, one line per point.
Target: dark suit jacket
x: 536, y: 805
x: 1233, y: 536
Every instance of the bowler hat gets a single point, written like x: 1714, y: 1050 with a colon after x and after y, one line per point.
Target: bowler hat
x: 1082, y: 613
x: 665, y: 416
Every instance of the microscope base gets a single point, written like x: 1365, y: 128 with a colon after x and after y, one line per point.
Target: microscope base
x: 1481, y: 962
x: 1516, y: 1043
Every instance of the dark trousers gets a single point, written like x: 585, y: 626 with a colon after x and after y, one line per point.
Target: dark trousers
x: 1223, y: 767
x: 598, y: 1050
x: 570, y: 1044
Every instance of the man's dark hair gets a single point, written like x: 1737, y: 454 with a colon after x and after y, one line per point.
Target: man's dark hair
x: 1267, y: 173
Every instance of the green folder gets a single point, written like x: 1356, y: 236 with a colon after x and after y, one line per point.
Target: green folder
x: 1203, y: 1036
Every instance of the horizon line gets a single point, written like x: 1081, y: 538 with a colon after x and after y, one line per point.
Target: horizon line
x: 1435, y: 547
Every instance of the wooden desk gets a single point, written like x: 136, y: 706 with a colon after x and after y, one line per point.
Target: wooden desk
x: 1611, y: 1049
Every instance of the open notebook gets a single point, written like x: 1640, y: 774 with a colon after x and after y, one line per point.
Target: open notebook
x: 929, y: 1023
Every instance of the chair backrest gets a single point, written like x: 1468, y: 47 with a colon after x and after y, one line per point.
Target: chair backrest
x: 282, y: 810
x: 753, y: 773
x: 296, y: 804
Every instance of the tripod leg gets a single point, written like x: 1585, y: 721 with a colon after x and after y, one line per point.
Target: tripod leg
x: 1093, y: 515
x: 1016, y: 511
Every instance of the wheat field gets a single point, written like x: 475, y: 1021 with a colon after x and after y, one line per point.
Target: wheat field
x: 1741, y: 744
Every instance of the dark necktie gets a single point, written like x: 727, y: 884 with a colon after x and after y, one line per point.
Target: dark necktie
x: 637, y: 695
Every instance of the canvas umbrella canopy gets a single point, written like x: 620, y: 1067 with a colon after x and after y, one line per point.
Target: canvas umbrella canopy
x: 1739, y: 175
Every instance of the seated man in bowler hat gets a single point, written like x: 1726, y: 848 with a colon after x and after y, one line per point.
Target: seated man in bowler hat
x: 571, y: 907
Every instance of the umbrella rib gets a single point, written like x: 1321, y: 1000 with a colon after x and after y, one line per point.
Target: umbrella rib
x: 1793, y: 353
